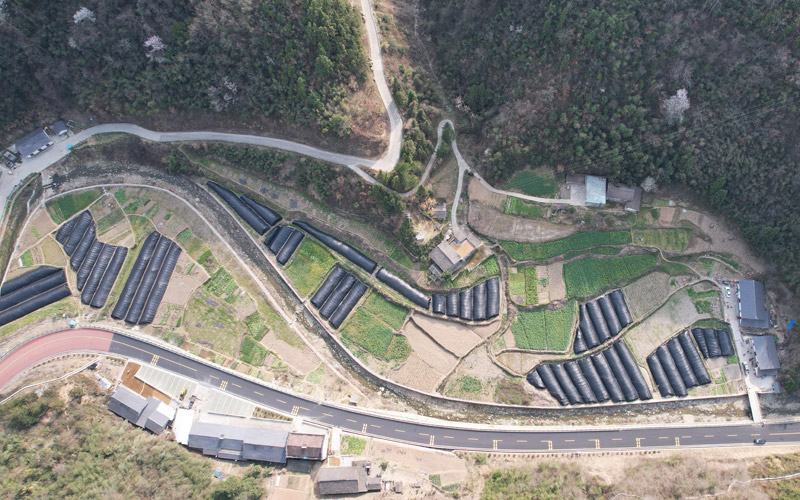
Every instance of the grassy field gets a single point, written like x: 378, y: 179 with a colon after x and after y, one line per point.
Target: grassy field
x: 669, y: 240
x: 515, y: 206
x: 372, y: 328
x: 545, y: 330
x: 524, y: 284
x: 532, y: 184
x: 586, y: 277
x: 581, y: 241
x: 252, y: 352
x: 309, y: 265
x: 65, y: 207
x: 352, y: 445
x: 26, y: 259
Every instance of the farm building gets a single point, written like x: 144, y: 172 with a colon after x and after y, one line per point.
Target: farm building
x: 150, y: 413
x: 630, y: 198
x: 305, y: 446
x: 346, y: 480
x: 59, y: 128
x: 238, y: 443
x: 594, y: 191
x: 452, y: 253
x: 440, y: 212
x: 752, y: 305
x: 766, y: 356
x: 33, y: 143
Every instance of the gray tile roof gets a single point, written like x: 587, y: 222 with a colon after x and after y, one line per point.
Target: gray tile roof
x: 253, y: 443
x: 127, y: 404
x: 342, y: 480
x: 33, y: 142
x: 766, y: 353
x: 752, y: 304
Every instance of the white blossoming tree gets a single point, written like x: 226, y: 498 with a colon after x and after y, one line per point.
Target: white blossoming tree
x: 155, y: 46
x: 83, y: 14
x: 675, y: 106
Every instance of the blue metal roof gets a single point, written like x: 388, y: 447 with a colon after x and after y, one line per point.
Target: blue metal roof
x: 595, y: 190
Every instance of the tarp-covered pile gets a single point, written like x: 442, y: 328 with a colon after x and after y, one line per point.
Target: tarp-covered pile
x: 257, y: 216
x: 610, y: 374
x: 282, y: 242
x: 677, y: 367
x: 31, y: 291
x: 478, y: 303
x: 96, y: 264
x: 338, y: 295
x: 600, y: 321
x: 148, y: 280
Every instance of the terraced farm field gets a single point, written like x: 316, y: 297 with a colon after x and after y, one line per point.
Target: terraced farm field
x: 372, y: 328
x: 545, y: 330
x: 308, y: 266
x: 587, y: 277
x: 523, y: 286
x: 65, y: 207
x: 580, y: 241
x: 669, y: 240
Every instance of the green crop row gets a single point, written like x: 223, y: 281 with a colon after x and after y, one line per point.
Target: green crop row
x: 580, y: 241
x: 221, y: 283
x: 392, y: 314
x: 545, y: 330
x: 65, y: 207
x: 586, y: 277
x: 366, y: 331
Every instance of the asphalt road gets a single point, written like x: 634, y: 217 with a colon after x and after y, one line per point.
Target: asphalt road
x: 434, y: 436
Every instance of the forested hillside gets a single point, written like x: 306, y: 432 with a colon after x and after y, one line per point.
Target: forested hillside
x: 284, y: 59
x: 701, y: 94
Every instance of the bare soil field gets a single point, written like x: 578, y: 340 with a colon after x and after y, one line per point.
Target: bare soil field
x: 478, y: 364
x: 52, y: 253
x: 723, y: 239
x: 479, y: 194
x: 444, y: 180
x: 428, y: 350
x: 523, y: 362
x: 645, y: 295
x: 39, y: 225
x: 302, y: 360
x: 453, y: 336
x: 677, y: 314
x: 416, y: 373
x: 182, y: 286
x: 420, y: 461
x: 556, y: 287
x: 495, y: 224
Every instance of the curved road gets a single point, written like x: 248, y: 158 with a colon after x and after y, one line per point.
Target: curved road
x: 445, y: 435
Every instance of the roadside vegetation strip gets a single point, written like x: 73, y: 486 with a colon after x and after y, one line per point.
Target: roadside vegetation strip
x: 545, y: 330
x: 516, y: 206
x: 65, y: 207
x: 670, y: 240
x: 580, y: 241
x: 309, y: 266
x: 589, y: 276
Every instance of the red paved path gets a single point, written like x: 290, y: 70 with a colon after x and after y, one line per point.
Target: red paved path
x: 80, y: 339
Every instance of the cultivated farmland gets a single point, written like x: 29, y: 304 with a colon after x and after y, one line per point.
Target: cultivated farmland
x: 67, y: 206
x: 372, y: 328
x: 523, y: 286
x: 580, y: 241
x: 669, y: 240
x: 545, y: 330
x: 309, y: 266
x: 587, y: 277
x: 532, y: 184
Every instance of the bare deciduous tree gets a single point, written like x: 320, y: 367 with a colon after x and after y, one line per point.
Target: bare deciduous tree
x: 156, y: 46
x: 649, y: 184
